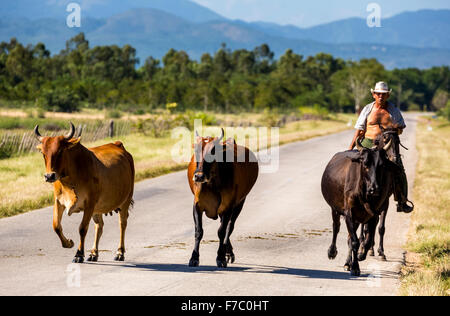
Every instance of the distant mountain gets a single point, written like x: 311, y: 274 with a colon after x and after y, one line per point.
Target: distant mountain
x: 154, y: 31
x: 100, y: 9
x: 424, y: 29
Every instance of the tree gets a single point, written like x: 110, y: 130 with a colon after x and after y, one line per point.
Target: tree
x: 440, y: 100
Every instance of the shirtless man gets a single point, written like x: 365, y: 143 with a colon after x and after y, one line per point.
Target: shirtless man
x: 381, y: 112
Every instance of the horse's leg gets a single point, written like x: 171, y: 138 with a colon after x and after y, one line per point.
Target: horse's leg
x: 195, y: 259
x: 332, y: 251
x: 382, y: 231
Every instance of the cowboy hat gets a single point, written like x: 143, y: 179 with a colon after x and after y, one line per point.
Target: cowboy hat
x: 381, y: 87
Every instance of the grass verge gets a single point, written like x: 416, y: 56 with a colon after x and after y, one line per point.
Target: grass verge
x: 21, y: 182
x: 428, y: 263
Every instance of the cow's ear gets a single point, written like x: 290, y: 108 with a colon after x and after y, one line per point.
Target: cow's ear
x: 39, y: 147
x: 75, y: 141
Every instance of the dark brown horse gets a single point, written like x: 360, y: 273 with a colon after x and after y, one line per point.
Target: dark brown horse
x: 357, y: 185
x: 220, y: 175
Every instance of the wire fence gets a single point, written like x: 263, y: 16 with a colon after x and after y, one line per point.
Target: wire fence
x: 18, y: 143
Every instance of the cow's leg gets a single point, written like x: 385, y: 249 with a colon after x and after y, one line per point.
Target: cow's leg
x: 123, y: 222
x: 382, y: 231
x: 332, y: 251
x: 195, y: 259
x: 352, y: 228
x: 84, y: 226
x: 58, y: 211
x: 229, y: 248
x: 222, y: 233
x: 371, y: 250
x: 98, y: 220
x: 362, y: 237
x: 369, y: 239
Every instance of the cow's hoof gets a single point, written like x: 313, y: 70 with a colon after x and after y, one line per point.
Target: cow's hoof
x: 92, y: 258
x: 332, y: 253
x: 383, y: 258
x: 193, y: 263
x: 119, y: 258
x: 230, y: 258
x: 371, y: 253
x: 221, y: 263
x: 356, y: 272
x: 78, y: 260
x: 347, y: 267
x: 362, y: 257
x: 69, y: 245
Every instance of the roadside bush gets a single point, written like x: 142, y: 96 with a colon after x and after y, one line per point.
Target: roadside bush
x: 315, y: 112
x: 271, y: 118
x: 445, y: 112
x: 59, y: 99
x: 187, y: 119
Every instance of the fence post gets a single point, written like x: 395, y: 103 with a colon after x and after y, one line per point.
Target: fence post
x: 111, y: 129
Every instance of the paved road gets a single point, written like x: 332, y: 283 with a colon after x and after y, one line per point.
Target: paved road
x: 280, y: 240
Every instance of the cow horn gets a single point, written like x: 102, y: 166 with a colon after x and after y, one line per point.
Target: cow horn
x: 80, y: 131
x: 38, y: 135
x: 388, y: 146
x: 221, y: 136
x: 359, y: 146
x: 71, y: 133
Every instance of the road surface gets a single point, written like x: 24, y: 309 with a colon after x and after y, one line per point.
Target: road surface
x: 281, y: 240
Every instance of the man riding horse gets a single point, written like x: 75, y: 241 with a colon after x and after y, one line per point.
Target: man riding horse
x: 375, y: 116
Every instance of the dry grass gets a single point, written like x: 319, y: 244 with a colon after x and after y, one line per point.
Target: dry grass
x: 428, y: 263
x: 21, y: 179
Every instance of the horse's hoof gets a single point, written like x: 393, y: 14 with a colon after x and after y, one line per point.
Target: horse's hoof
x: 78, y: 260
x: 119, y: 258
x: 193, y: 263
x: 92, y: 258
x: 230, y: 257
x: 332, y: 253
x: 221, y: 263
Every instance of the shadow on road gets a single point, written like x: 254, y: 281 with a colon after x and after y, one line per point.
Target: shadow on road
x: 257, y: 269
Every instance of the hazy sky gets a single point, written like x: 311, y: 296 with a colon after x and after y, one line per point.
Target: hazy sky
x: 306, y: 13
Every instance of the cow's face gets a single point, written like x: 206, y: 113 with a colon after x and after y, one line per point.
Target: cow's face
x: 371, y: 162
x: 206, y: 154
x: 54, y: 151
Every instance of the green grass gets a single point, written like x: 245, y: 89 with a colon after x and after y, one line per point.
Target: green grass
x: 22, y: 187
x: 427, y: 271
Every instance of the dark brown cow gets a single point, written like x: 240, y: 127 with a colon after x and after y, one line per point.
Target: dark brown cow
x: 357, y: 185
x: 220, y: 187
x: 95, y: 181
x: 390, y: 141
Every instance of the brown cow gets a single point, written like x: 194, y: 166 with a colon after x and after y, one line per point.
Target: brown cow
x: 357, y: 185
x: 220, y: 186
x: 95, y: 181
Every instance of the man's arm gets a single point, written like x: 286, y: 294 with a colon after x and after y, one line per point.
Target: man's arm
x: 358, y: 134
